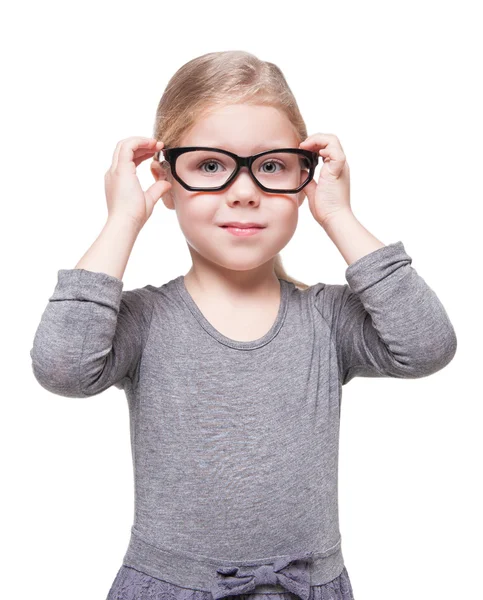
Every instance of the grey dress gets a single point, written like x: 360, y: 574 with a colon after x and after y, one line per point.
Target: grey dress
x: 131, y: 584
x: 235, y: 443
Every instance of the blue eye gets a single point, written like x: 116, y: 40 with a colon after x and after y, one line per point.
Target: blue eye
x: 275, y: 162
x: 209, y: 162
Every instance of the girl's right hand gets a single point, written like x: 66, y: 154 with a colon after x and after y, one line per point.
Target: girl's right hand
x: 124, y: 195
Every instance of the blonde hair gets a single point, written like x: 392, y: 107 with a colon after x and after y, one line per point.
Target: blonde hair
x: 221, y: 78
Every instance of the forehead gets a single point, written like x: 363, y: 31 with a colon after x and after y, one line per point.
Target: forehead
x: 243, y: 129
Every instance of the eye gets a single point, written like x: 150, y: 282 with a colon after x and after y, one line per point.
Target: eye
x: 273, y: 162
x: 209, y: 162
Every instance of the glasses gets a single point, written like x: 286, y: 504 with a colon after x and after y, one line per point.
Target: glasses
x: 201, y: 168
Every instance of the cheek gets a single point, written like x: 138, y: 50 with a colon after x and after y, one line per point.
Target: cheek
x: 289, y: 224
x: 285, y: 211
x: 195, y: 214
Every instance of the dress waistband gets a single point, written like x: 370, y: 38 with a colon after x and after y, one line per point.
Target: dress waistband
x: 294, y: 573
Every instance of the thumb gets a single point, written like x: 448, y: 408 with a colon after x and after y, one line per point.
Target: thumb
x: 309, y: 190
x: 157, y: 189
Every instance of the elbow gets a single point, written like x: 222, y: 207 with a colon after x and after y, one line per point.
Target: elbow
x: 431, y: 338
x: 445, y: 350
x: 56, y: 375
x: 433, y: 357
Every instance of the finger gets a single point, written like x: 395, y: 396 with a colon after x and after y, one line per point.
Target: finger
x: 125, y: 148
x: 321, y: 140
x: 333, y: 164
x: 139, y: 158
x: 334, y: 154
x: 309, y: 189
x: 328, y: 146
x: 143, y: 150
x: 157, y: 189
x: 319, y: 135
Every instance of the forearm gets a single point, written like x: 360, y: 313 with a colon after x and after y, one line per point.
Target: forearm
x: 91, y: 333
x: 111, y: 250
x: 350, y: 236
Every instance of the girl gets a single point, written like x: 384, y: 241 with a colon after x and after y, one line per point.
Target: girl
x: 234, y: 372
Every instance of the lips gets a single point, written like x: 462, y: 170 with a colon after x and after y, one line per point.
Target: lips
x: 243, y: 225
x: 246, y: 229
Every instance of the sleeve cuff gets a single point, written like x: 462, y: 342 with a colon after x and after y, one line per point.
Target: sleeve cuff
x: 375, y: 266
x: 90, y: 286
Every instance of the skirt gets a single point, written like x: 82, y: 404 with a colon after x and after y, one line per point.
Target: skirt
x: 131, y: 584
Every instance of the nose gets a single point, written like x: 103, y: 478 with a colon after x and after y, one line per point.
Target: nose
x: 243, y: 189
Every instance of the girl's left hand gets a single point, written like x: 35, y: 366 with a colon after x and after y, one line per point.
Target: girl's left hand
x: 331, y: 194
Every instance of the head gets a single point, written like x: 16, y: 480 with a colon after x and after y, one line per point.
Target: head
x: 236, y: 102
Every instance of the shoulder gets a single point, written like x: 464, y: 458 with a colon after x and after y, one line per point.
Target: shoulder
x: 325, y: 298
x: 149, y: 299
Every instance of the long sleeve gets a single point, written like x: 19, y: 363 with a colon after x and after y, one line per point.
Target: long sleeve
x: 91, y: 334
x: 387, y: 321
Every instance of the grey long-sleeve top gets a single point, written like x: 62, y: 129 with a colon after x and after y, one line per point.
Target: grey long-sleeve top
x: 235, y: 443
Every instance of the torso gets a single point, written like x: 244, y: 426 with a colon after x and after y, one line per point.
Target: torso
x: 243, y: 328
x: 251, y: 324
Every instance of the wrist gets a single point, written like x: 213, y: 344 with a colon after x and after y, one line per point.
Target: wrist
x: 335, y: 219
x: 125, y: 223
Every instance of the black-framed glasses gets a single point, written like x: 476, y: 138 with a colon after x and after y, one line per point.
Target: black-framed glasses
x: 201, y: 168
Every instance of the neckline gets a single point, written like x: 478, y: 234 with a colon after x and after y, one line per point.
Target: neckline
x: 223, y: 339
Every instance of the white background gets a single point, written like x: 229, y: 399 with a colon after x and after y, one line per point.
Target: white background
x: 398, y: 83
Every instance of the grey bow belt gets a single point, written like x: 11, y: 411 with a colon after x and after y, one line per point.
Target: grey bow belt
x: 295, y: 578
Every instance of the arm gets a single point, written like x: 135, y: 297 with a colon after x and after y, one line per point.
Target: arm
x: 91, y: 333
x: 387, y: 322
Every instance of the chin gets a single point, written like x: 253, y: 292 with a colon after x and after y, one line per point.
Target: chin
x: 241, y: 263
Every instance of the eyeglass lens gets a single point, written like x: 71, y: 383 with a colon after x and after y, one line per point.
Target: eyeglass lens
x: 209, y: 169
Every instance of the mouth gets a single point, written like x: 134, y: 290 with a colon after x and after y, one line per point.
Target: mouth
x: 244, y: 229
x: 240, y: 225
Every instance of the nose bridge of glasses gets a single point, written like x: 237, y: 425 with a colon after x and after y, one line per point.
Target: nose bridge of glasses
x: 243, y: 166
x: 241, y: 162
x: 245, y: 162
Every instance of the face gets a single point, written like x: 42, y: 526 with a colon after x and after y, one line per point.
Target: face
x: 244, y: 130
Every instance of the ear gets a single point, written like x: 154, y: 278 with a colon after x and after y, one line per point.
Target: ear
x: 162, y: 171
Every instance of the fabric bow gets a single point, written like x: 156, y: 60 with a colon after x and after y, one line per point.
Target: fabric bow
x: 235, y: 580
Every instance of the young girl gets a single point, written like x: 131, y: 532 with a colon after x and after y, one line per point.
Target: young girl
x: 233, y: 372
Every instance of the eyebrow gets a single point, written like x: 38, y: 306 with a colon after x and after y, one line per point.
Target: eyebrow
x: 258, y: 147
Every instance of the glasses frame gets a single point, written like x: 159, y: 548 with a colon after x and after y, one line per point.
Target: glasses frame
x: 171, y: 154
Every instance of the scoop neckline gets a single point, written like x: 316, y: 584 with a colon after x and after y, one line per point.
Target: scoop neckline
x: 223, y: 339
